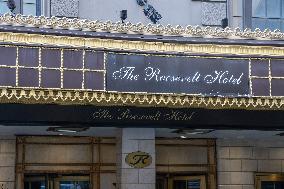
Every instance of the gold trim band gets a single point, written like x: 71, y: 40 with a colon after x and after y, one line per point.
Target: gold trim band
x: 143, y: 46
x: 65, y: 97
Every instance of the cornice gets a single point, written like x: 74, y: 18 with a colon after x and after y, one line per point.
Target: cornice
x: 139, y: 28
x: 138, y: 46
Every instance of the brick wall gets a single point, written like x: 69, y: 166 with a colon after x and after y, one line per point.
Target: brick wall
x: 239, y: 160
x: 7, y: 162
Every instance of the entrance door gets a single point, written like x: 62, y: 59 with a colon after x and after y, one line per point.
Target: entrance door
x: 180, y: 182
x: 35, y: 182
x: 188, y: 182
x: 72, y: 182
x: 57, y: 182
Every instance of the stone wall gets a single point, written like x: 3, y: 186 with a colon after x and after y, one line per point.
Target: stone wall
x: 178, y: 12
x: 65, y: 8
x: 132, y: 140
x: 239, y: 160
x: 213, y: 12
x: 7, y: 162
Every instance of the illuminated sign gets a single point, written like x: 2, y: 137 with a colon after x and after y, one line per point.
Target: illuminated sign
x: 178, y: 74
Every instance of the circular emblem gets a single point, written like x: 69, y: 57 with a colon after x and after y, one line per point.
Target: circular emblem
x: 138, y: 159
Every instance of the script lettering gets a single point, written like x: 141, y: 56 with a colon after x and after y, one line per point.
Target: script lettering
x: 102, y: 114
x: 223, y: 77
x: 156, y: 75
x: 179, y: 116
x: 128, y: 114
x: 139, y: 159
x: 125, y: 73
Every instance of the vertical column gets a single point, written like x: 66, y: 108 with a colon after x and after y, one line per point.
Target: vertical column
x: 135, y: 140
x: 7, y: 162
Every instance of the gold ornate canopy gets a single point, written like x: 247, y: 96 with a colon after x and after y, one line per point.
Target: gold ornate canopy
x: 106, y: 98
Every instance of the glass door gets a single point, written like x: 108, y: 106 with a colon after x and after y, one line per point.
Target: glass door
x: 35, y: 182
x: 187, y: 182
x: 72, y: 182
x: 56, y: 182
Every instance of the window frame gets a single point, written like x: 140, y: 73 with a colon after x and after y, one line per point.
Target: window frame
x: 19, y: 7
x: 260, y: 177
x: 38, y: 7
x: 248, y: 17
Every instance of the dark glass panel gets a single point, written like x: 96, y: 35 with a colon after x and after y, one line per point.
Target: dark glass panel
x: 94, y: 80
x: 179, y: 184
x: 160, y: 184
x: 260, y: 68
x: 74, y: 185
x: 260, y: 87
x: 73, y: 59
x: 267, y: 185
x: 27, y: 185
x: 279, y: 185
x: 72, y: 79
x: 7, y: 77
x: 277, y: 87
x: 38, y: 185
x: 50, y: 58
x: 67, y: 185
x: 83, y: 185
x: 193, y: 184
x: 94, y: 60
x: 8, y: 56
x: 50, y: 79
x: 28, y: 57
x: 277, y: 68
x: 28, y: 77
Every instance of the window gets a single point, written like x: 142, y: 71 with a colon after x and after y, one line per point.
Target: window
x: 25, y: 7
x: 3, y: 7
x: 268, y: 14
x: 269, y: 181
x: 31, y: 7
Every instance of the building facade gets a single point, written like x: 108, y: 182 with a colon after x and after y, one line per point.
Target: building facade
x: 107, y: 105
x: 240, y: 13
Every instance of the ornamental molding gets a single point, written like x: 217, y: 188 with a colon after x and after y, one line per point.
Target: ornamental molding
x: 65, y: 97
x: 139, y: 28
x: 10, y: 38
